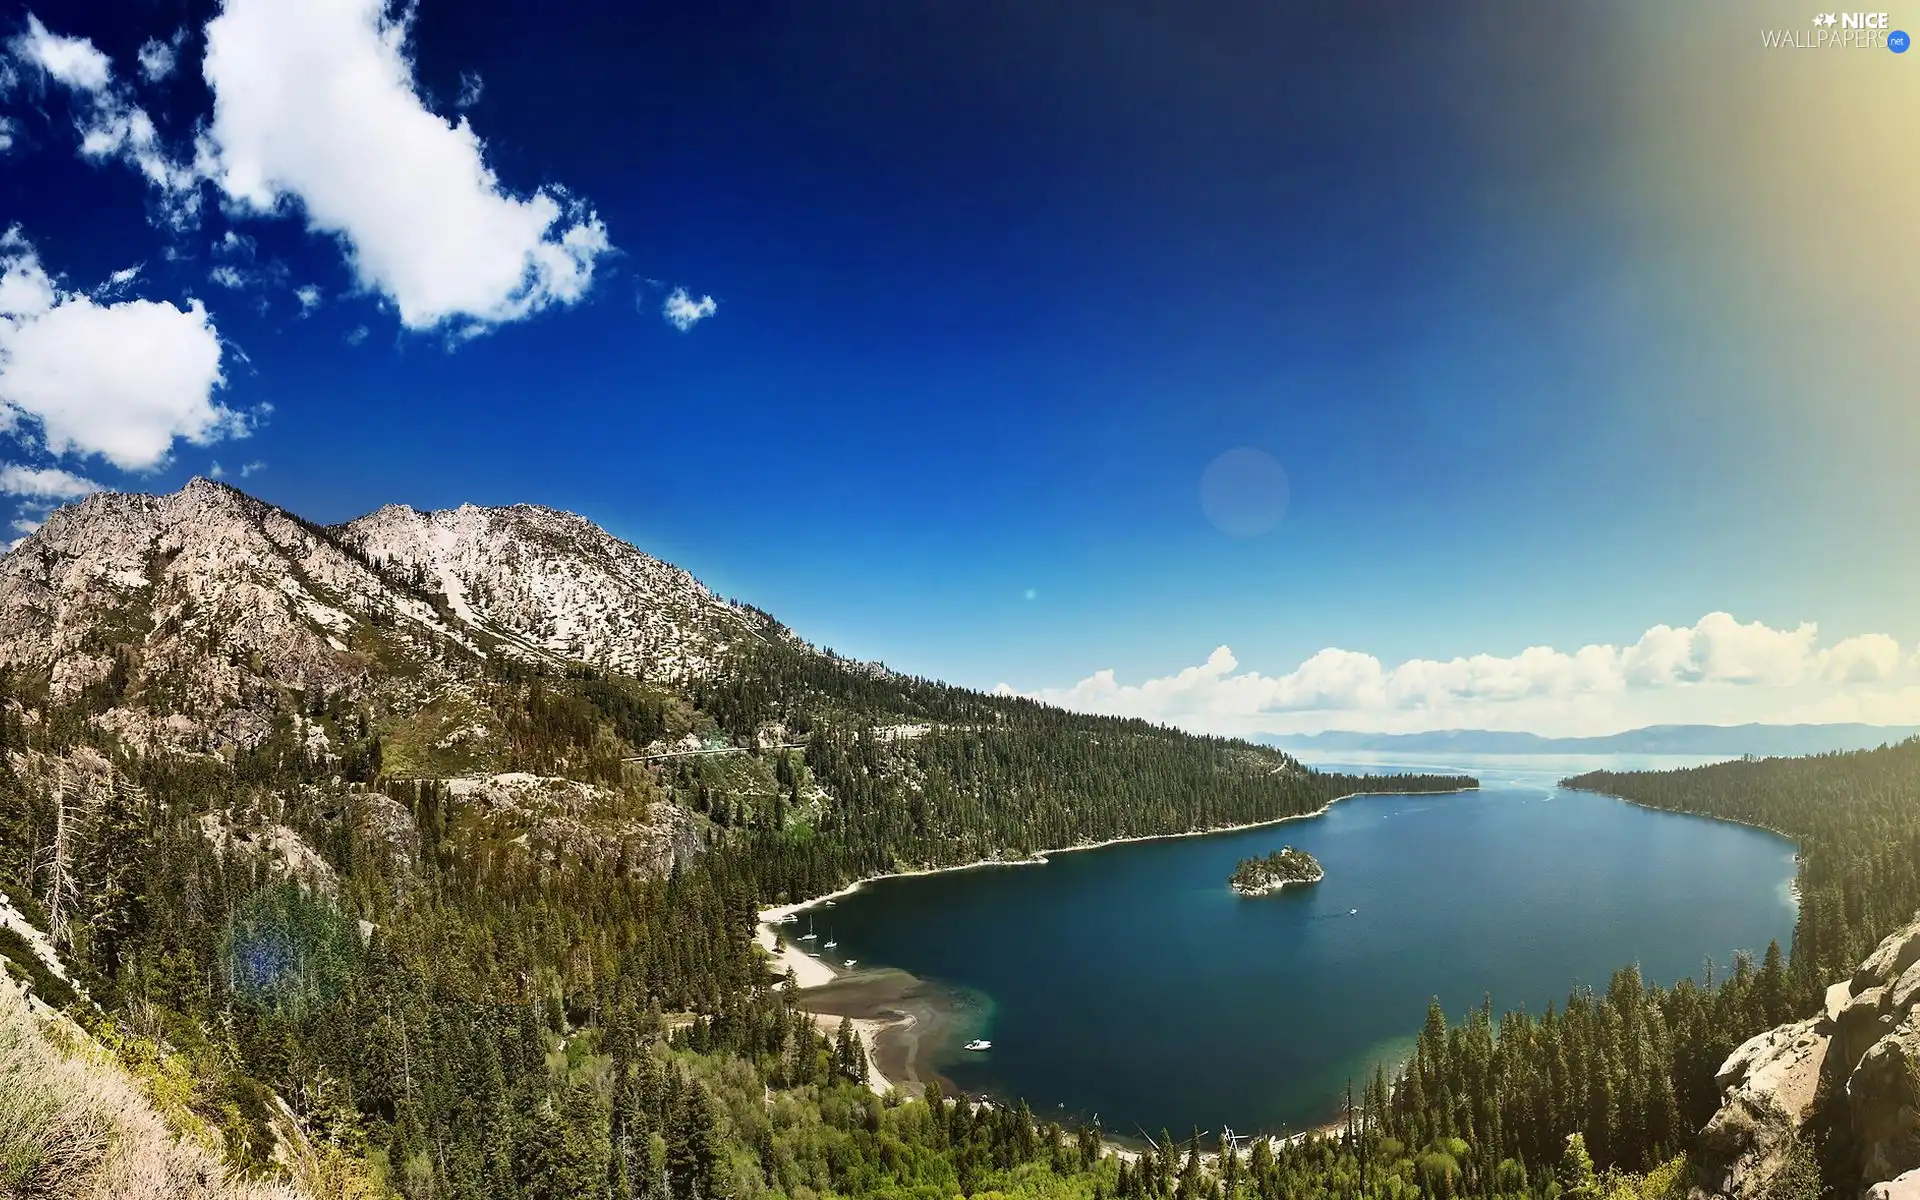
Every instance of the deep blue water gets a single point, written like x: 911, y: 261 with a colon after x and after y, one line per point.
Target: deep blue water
x: 1131, y: 983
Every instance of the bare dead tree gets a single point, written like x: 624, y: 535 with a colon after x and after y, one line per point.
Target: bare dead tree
x: 60, y: 885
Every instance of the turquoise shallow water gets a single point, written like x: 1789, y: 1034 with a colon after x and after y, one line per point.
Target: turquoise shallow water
x: 1131, y: 983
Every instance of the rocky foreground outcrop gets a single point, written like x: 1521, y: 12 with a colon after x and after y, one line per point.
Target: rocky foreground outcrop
x: 1854, y: 1069
x: 1770, y: 1085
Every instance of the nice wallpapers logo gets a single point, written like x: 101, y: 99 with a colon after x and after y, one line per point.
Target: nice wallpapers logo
x: 1840, y: 31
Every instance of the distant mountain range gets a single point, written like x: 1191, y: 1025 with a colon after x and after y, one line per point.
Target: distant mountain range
x: 1730, y: 740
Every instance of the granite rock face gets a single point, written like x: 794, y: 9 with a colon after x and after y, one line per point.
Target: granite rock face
x: 1883, y: 1103
x: 1856, y: 1066
x: 1906, y: 1187
x: 1770, y: 1084
x: 557, y: 584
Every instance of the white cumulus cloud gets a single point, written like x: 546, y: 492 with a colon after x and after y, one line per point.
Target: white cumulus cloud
x: 112, y: 126
x: 119, y: 380
x: 1869, y: 658
x: 44, y: 482
x: 683, y: 312
x: 1596, y: 688
x: 316, y: 108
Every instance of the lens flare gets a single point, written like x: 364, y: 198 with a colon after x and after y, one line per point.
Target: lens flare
x: 1244, y: 492
x: 288, y: 951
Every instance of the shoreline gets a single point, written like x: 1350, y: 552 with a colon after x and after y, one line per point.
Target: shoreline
x: 808, y: 971
x: 902, y: 1020
x: 768, y: 917
x: 1799, y: 850
x: 811, y: 973
x: 869, y: 1030
x: 1268, y: 889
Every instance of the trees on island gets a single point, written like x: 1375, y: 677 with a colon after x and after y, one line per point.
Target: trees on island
x: 1282, y: 867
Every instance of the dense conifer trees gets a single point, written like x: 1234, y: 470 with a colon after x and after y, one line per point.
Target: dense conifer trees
x: 474, y: 1017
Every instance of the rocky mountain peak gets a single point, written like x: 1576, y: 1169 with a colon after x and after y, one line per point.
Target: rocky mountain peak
x: 194, y: 609
x: 558, y: 584
x: 204, y: 604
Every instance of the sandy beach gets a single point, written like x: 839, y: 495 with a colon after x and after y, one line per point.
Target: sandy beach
x: 807, y: 970
x: 869, y: 1031
x: 890, y: 1009
x: 901, y: 1018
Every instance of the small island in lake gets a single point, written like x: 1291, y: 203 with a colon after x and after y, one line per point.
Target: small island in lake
x: 1258, y: 876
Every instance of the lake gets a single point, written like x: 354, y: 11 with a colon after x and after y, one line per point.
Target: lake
x: 1131, y: 983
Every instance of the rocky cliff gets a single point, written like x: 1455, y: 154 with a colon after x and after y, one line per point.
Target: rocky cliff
x: 193, y: 613
x: 1848, y: 1078
x: 210, y: 624
x: 560, y: 585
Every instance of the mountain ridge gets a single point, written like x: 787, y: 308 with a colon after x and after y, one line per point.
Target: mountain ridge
x: 1757, y: 738
x: 230, y: 598
x: 503, y: 567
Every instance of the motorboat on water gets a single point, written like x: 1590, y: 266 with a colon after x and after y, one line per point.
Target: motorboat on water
x: 979, y: 1044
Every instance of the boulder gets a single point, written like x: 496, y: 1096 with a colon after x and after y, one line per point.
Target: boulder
x: 1905, y: 990
x: 1864, y: 1021
x: 1883, y: 1104
x: 1853, y: 1071
x: 1889, y: 960
x: 1907, y: 1187
x: 1839, y: 995
x: 1770, y: 1083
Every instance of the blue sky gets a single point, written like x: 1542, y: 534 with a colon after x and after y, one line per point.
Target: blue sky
x: 1553, y: 347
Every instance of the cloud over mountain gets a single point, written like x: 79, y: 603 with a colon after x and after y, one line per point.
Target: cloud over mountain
x: 121, y: 380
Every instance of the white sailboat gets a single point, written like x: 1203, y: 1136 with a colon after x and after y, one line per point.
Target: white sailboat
x: 809, y: 935
x: 829, y: 943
